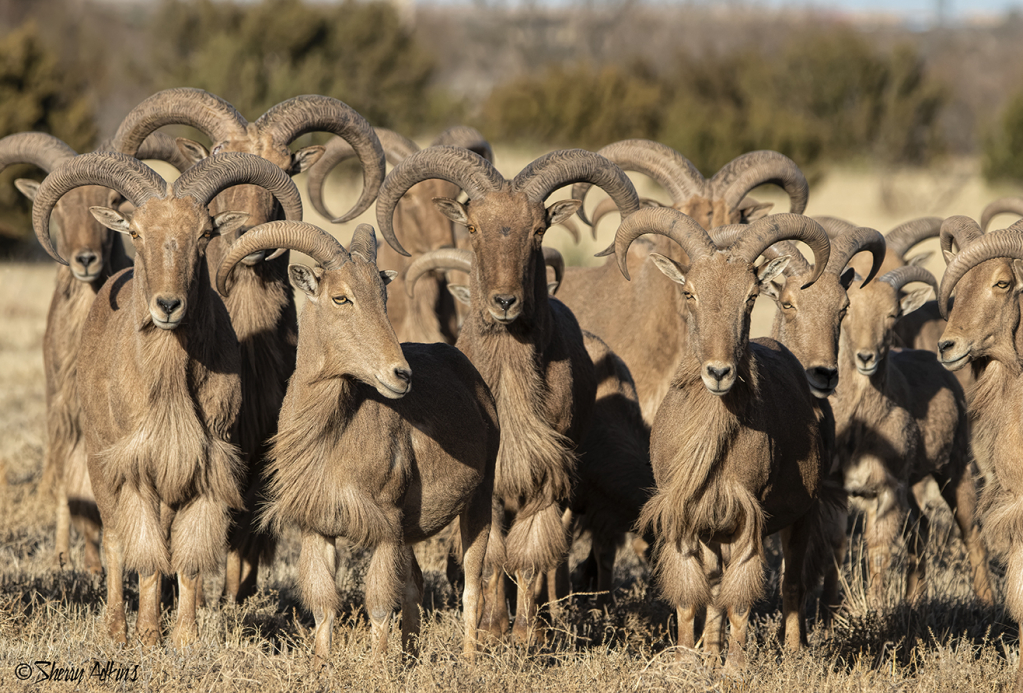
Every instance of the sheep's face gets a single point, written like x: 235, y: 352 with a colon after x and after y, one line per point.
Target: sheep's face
x: 719, y: 292
x: 809, y: 322
x: 506, y: 233
x: 873, y: 312
x: 170, y: 238
x: 985, y: 315
x: 80, y: 238
x: 345, y: 322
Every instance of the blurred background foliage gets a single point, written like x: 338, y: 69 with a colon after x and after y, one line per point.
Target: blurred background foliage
x: 712, y: 86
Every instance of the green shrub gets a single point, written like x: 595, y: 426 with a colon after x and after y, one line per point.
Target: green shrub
x: 1003, y: 144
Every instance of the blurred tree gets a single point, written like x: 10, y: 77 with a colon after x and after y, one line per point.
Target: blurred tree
x: 256, y: 55
x: 36, y: 93
x: 1003, y: 144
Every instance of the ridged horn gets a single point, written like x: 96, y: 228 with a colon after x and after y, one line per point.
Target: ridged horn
x: 1007, y: 244
x: 906, y: 235
x: 566, y: 166
x: 37, y: 148
x: 206, y: 112
x: 744, y: 173
x: 961, y: 230
x: 213, y: 175
x: 466, y: 169
x: 765, y: 232
x: 834, y: 226
x: 900, y: 276
x: 295, y: 235
x: 314, y: 113
x: 396, y: 148
x: 672, y: 171
x: 855, y: 241
x: 443, y: 258
x: 1003, y: 205
x: 467, y: 138
x: 552, y: 258
x: 664, y: 221
x: 162, y: 147
x: 797, y: 265
x: 364, y: 242
x: 127, y: 175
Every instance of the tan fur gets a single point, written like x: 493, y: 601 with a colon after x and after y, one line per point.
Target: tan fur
x: 904, y: 422
x: 354, y: 458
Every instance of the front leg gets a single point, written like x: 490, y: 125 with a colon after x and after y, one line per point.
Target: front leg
x: 317, y: 569
x: 412, y: 599
x: 384, y: 581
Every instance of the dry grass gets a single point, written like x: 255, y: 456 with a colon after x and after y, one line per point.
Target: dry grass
x: 949, y: 643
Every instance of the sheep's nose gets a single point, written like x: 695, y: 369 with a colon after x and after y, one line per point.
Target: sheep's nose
x: 825, y: 375
x: 945, y: 344
x: 719, y: 373
x: 86, y: 258
x: 505, y: 301
x: 168, y: 305
x: 865, y: 358
x: 403, y: 374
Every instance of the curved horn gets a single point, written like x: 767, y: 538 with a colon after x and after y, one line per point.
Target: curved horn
x: 961, y: 230
x: 467, y: 138
x: 162, y: 147
x: 797, y: 266
x: 468, y: 170
x: 664, y: 221
x: 127, y: 175
x: 1007, y: 244
x: 295, y: 235
x: 856, y: 241
x: 765, y: 232
x: 739, y: 176
x: 834, y: 226
x: 551, y: 171
x: 206, y: 112
x: 1003, y: 205
x: 900, y: 276
x: 443, y: 258
x: 552, y: 258
x: 672, y: 171
x: 314, y: 113
x: 37, y: 148
x: 905, y: 236
x: 364, y: 242
x: 213, y: 175
x: 396, y: 148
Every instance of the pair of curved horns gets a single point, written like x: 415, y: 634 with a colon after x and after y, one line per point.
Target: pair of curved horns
x: 285, y: 122
x: 303, y: 237
x: 697, y: 243
x: 139, y: 184
x: 478, y: 177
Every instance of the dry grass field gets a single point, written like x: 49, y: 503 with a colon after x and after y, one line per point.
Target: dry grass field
x: 948, y: 643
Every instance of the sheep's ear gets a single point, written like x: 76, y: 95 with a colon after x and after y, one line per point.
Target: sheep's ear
x: 552, y: 288
x: 770, y: 270
x: 452, y: 209
x: 305, y: 280
x: 671, y: 269
x: 112, y: 219
x: 847, y: 278
x: 771, y: 290
x: 561, y: 210
x: 461, y: 293
x: 919, y: 260
x: 304, y: 158
x: 914, y: 299
x: 28, y: 187
x: 226, y: 222
x: 388, y: 276
x: 191, y: 150
x: 757, y: 211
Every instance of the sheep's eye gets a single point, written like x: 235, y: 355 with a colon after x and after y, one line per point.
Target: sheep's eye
x: 689, y: 296
x: 208, y: 234
x: 787, y: 306
x: 134, y: 233
x: 341, y: 300
x: 1002, y: 284
x: 540, y: 229
x: 471, y: 228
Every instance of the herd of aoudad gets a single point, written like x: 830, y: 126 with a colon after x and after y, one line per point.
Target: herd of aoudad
x: 458, y: 378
